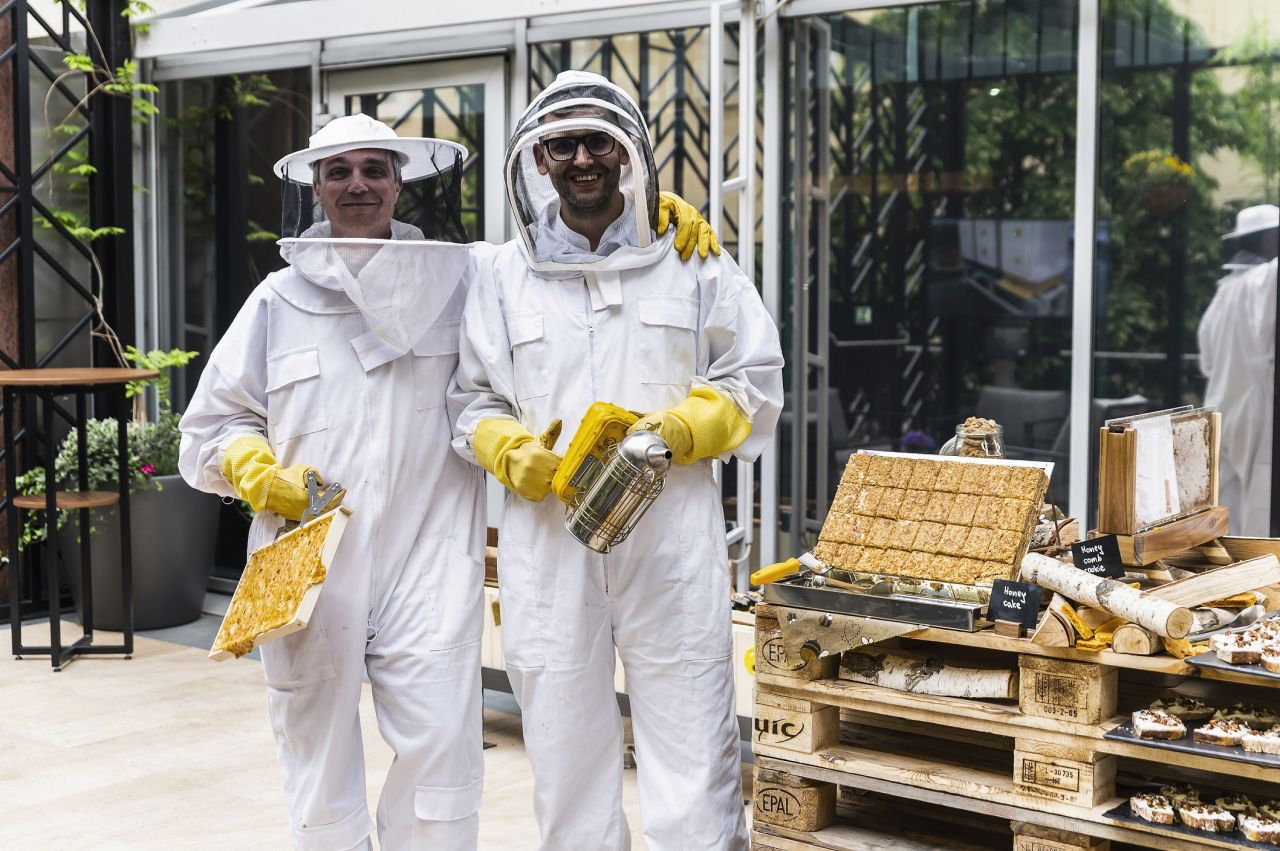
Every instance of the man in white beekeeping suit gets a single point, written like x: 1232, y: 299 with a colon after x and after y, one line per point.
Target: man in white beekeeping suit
x: 588, y: 305
x: 340, y: 363
x: 1237, y: 355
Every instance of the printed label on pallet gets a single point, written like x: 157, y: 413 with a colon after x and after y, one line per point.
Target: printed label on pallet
x: 1040, y: 773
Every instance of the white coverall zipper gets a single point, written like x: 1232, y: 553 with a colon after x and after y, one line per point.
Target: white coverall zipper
x: 591, y: 360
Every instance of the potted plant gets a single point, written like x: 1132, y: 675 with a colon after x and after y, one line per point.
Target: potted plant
x: 172, y: 526
x: 1162, y: 181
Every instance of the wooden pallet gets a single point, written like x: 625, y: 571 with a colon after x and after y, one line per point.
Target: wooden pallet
x: 1041, y: 761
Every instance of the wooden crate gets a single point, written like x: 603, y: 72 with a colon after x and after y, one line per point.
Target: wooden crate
x: 1033, y: 837
x: 1072, y: 775
x: 787, y: 800
x: 1079, y: 692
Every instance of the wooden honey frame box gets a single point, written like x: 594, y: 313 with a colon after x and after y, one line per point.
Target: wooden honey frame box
x: 1118, y: 475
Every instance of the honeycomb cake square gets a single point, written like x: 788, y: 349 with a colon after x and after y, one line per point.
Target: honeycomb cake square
x: 1004, y: 546
x: 996, y: 482
x: 1014, y: 515
x: 856, y: 470
x: 850, y: 555
x: 859, y: 526
x: 939, y: 507
x: 868, y: 499
x: 1026, y: 483
x: 962, y: 510
x: 890, y: 502
x: 969, y: 568
x: 928, y: 536
x: 973, y: 479
x: 881, y: 471
x: 913, y: 505
x: 924, y: 473
x: 987, y: 514
x: 836, y: 527
x: 953, y: 539
x: 918, y: 564
x: 827, y: 552
x: 904, y: 534
x: 881, y: 532
x: 975, y: 546
x: 943, y: 568
x: 893, y: 562
x: 950, y: 474
x: 900, y: 472
x: 846, y: 501
x: 996, y: 570
x: 872, y: 559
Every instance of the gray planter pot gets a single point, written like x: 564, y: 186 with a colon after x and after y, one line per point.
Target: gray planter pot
x: 173, y: 531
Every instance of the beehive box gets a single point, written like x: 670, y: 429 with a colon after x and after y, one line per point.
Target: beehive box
x: 959, y: 520
x: 280, y: 587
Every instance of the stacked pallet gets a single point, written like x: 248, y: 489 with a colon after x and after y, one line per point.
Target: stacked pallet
x: 834, y: 752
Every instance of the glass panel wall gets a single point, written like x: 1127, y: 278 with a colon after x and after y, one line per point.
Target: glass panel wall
x: 929, y: 195
x: 1189, y: 151
x: 220, y: 200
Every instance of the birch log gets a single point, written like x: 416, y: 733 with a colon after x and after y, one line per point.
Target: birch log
x: 922, y: 675
x: 1159, y: 616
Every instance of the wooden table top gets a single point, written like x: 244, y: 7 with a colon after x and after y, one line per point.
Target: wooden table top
x: 72, y: 376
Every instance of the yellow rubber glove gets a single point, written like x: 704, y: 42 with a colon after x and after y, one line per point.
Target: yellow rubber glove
x: 523, y: 465
x: 692, y: 231
x: 704, y: 425
x: 250, y: 466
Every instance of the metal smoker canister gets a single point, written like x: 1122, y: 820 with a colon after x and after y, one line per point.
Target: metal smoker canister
x: 608, y: 507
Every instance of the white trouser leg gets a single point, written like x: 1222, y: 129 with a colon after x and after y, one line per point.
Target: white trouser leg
x: 673, y: 630
x: 424, y: 666
x: 559, y: 650
x: 313, y: 692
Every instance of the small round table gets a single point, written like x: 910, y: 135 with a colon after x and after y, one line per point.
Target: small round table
x: 47, y: 385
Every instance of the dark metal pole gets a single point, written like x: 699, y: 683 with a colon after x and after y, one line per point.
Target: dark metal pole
x: 111, y: 186
x: 82, y: 479
x: 126, y: 533
x: 51, y: 533
x: 13, y: 521
x: 1175, y: 344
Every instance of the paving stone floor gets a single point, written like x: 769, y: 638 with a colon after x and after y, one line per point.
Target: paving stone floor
x: 171, y: 751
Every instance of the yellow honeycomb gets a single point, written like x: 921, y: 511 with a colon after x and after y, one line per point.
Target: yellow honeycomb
x: 273, y: 585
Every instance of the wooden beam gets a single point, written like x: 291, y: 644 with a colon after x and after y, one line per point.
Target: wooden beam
x: 1221, y: 582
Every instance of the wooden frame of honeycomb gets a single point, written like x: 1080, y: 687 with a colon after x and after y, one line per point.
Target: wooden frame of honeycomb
x: 280, y: 586
x: 962, y: 520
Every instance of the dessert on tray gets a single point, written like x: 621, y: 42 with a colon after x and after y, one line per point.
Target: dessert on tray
x: 1153, y: 808
x: 1154, y: 724
x: 1239, y: 648
x: 1180, y: 793
x: 1264, y: 741
x: 1258, y: 827
x: 1207, y: 817
x: 1222, y: 731
x: 1236, y: 803
x: 1185, y: 709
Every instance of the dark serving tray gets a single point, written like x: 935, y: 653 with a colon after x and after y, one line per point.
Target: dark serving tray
x: 1188, y: 744
x: 1209, y: 659
x: 1122, y: 813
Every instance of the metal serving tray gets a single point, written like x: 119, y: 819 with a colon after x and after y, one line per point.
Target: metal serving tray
x: 906, y: 608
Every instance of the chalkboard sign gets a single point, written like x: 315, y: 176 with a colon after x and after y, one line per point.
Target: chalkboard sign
x: 1099, y: 556
x: 1018, y: 602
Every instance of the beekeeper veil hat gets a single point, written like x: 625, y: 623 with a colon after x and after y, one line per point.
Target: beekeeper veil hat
x: 601, y: 117
x: 413, y: 262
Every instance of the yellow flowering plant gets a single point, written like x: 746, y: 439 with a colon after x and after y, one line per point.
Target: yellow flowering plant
x: 1155, y: 168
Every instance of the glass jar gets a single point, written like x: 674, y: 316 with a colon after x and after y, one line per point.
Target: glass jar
x: 975, y: 443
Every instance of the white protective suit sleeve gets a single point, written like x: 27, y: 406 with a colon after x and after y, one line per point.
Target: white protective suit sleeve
x: 1262, y: 321
x: 230, y: 400
x: 484, y: 384
x: 739, y: 342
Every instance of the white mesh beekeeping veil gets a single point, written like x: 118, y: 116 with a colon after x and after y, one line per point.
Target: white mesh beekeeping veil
x: 360, y: 205
x: 595, y: 115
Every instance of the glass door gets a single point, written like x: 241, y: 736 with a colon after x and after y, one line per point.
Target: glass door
x: 462, y: 101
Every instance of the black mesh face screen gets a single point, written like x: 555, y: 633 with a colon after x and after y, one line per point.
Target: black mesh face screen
x: 433, y: 204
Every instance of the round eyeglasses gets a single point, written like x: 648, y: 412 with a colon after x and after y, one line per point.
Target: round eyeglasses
x: 565, y: 148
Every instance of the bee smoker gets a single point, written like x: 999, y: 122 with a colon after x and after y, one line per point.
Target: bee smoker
x: 606, y: 507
